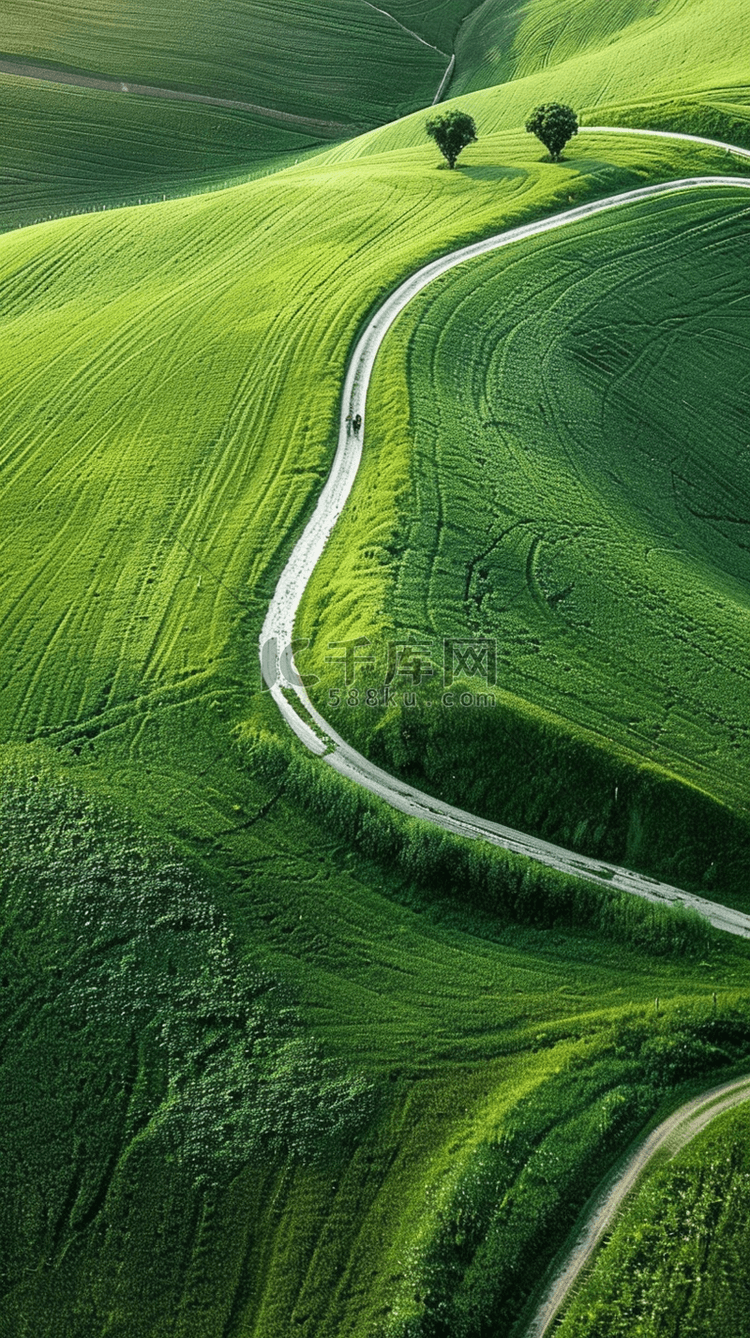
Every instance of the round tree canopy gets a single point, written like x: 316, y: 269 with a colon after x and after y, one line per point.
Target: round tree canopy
x: 554, y: 123
x: 452, y: 131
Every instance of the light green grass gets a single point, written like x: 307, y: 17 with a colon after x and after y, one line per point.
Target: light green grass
x: 692, y: 52
x: 603, y: 52
x: 676, y: 1262
x: 171, y: 380
x: 556, y: 460
x: 189, y: 418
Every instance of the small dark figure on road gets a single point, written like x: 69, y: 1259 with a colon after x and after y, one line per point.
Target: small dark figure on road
x: 357, y: 423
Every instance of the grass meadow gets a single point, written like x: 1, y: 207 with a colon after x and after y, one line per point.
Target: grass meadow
x: 533, y: 500
x: 56, y: 153
x: 676, y: 1260
x: 345, y: 65
x: 339, y: 60
x: 615, y: 53
x: 274, y: 1061
x: 170, y: 410
x: 685, y: 63
x: 281, y: 1083
x: 348, y: 67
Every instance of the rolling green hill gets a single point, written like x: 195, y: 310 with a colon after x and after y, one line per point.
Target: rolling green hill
x: 610, y: 53
x: 189, y: 356
x: 260, y: 1072
x: 556, y: 460
x: 170, y: 1151
x: 57, y: 156
x: 170, y: 388
x: 678, y: 1254
x: 66, y: 148
x: 344, y: 60
x: 346, y: 66
x: 683, y: 66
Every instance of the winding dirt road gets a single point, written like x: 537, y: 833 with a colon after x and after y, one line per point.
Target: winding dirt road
x: 276, y: 653
x: 668, y: 1138
x: 444, y: 82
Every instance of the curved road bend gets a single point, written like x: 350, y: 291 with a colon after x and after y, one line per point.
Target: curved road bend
x: 26, y: 70
x: 277, y: 662
x: 669, y: 1137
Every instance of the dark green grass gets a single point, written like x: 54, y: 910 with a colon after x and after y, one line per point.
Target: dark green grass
x: 164, y: 1078
x: 502, y: 887
x: 170, y: 391
x: 64, y: 149
x: 340, y: 60
x: 677, y: 1261
x: 566, y: 473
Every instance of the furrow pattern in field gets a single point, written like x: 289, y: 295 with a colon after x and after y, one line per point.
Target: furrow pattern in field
x: 278, y: 627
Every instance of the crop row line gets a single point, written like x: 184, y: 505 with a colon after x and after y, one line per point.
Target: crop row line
x: 277, y: 661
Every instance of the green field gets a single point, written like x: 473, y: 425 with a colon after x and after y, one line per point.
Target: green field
x: 344, y: 63
x: 683, y: 67
x: 557, y: 461
x: 148, y: 459
x: 66, y: 149
x: 603, y: 54
x: 164, y: 1060
x: 56, y: 154
x: 676, y: 1262
x: 341, y: 60
x: 272, y: 1060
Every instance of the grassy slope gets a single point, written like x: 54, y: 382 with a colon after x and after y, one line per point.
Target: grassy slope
x: 216, y: 330
x: 56, y: 150
x: 170, y: 386
x: 341, y: 60
x: 678, y: 1256
x: 56, y: 141
x: 604, y: 53
x: 689, y: 56
x: 56, y: 154
x: 456, y: 1023
x: 557, y: 460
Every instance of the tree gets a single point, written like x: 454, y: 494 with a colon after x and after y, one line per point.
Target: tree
x: 452, y: 132
x: 554, y: 124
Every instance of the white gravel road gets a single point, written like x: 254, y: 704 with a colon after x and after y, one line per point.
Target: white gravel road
x: 277, y: 661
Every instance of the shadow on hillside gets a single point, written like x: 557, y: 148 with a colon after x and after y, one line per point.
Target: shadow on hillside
x: 490, y: 173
